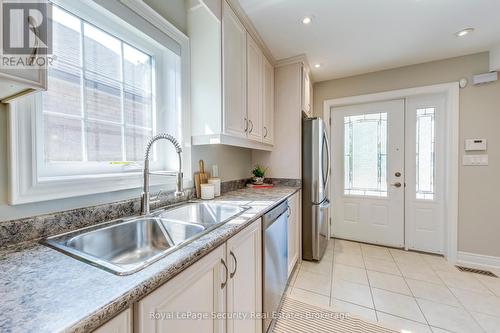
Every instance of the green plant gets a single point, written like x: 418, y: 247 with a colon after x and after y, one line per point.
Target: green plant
x: 259, y: 171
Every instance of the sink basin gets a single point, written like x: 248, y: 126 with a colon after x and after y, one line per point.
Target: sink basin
x: 126, y: 246
x: 202, y: 213
x: 180, y: 231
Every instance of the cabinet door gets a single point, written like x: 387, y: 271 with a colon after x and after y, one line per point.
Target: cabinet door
x: 268, y: 101
x: 234, y: 74
x: 244, y: 288
x: 197, y: 290
x: 294, y: 226
x: 16, y: 81
x: 306, y: 91
x: 119, y: 324
x: 254, y: 90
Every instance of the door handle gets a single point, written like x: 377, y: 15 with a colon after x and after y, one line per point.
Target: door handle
x: 235, y: 264
x: 223, y: 284
x: 398, y: 184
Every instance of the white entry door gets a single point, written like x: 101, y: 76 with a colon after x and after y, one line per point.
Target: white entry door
x: 368, y: 172
x: 388, y: 179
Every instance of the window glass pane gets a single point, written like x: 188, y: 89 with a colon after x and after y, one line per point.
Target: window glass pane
x: 102, y: 53
x: 104, y: 142
x: 365, y: 149
x: 66, y: 37
x: 135, y: 143
x: 102, y: 98
x: 62, y: 138
x: 136, y: 68
x: 64, y: 95
x: 138, y: 107
x: 425, y: 154
x: 110, y: 117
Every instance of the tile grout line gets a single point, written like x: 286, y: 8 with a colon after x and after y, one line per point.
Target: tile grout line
x: 331, y: 273
x: 464, y: 308
x: 451, y: 291
x: 369, y: 284
x: 411, y: 291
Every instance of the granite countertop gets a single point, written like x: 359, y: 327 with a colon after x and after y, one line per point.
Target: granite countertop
x: 43, y: 290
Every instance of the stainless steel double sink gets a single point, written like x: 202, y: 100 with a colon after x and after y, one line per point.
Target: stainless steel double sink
x: 126, y: 246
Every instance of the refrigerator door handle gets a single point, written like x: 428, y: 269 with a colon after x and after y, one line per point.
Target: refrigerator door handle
x: 325, y: 204
x: 325, y: 138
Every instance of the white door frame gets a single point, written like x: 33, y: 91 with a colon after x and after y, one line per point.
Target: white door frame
x: 451, y: 146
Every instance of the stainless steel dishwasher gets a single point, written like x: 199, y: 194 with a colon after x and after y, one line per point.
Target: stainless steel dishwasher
x: 275, y: 263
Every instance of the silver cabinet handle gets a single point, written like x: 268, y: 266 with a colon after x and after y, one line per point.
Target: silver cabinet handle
x: 223, y: 284
x: 265, y: 129
x: 251, y: 128
x: 398, y: 184
x: 235, y: 264
x: 246, y: 124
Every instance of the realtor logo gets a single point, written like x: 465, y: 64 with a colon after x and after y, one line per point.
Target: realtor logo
x: 27, y: 28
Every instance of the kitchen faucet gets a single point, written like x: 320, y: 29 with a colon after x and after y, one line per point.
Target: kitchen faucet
x: 145, y: 199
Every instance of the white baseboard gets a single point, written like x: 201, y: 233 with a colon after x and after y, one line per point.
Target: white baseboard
x: 478, y: 260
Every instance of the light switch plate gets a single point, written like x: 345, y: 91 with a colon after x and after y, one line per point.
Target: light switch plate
x: 475, y: 160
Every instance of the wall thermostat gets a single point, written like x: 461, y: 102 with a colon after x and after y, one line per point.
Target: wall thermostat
x: 475, y: 145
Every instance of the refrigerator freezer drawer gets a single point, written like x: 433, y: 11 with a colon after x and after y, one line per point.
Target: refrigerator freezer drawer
x: 315, y: 231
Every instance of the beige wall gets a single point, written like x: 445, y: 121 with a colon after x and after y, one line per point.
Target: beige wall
x: 479, y: 201
x: 234, y: 163
x: 173, y: 11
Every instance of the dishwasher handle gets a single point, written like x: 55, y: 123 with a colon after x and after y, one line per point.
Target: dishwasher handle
x: 270, y: 217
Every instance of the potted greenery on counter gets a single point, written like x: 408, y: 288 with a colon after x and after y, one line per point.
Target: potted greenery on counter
x: 259, y: 173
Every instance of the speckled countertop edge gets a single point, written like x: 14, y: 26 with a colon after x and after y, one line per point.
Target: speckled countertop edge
x: 126, y: 290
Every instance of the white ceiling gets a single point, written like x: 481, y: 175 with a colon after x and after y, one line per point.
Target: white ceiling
x: 349, y: 37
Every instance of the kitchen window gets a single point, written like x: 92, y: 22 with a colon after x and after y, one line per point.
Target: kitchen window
x: 116, y: 81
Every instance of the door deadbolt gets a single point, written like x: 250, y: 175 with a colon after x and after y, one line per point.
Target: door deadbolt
x: 396, y: 184
x: 397, y: 174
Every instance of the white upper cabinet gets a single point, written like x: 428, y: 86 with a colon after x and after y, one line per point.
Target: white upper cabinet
x: 16, y: 81
x: 228, y: 67
x: 306, y: 91
x: 234, y: 78
x: 254, y: 90
x: 268, y: 101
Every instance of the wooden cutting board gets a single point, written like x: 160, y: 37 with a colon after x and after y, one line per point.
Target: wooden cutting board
x: 200, y: 177
x: 203, y: 175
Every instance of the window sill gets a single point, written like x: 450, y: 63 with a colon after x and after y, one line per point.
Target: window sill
x: 66, y: 187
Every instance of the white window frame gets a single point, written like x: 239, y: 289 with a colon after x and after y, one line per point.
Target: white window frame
x: 27, y: 185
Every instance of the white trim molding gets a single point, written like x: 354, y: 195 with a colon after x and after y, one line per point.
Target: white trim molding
x: 475, y: 260
x: 452, y: 146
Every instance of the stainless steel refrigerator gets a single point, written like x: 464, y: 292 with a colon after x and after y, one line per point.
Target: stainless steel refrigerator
x: 315, y: 178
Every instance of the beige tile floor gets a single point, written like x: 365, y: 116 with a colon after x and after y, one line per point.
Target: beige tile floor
x: 408, y: 291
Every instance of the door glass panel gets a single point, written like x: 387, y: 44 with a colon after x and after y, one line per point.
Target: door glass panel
x: 365, y: 155
x: 425, y: 154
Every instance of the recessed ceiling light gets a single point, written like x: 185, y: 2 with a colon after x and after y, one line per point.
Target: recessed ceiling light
x: 317, y: 65
x: 306, y: 20
x: 464, y: 32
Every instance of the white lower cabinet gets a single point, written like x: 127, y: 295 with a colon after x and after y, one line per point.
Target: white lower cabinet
x: 244, y: 288
x: 122, y: 323
x: 227, y: 279
x: 294, y: 231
